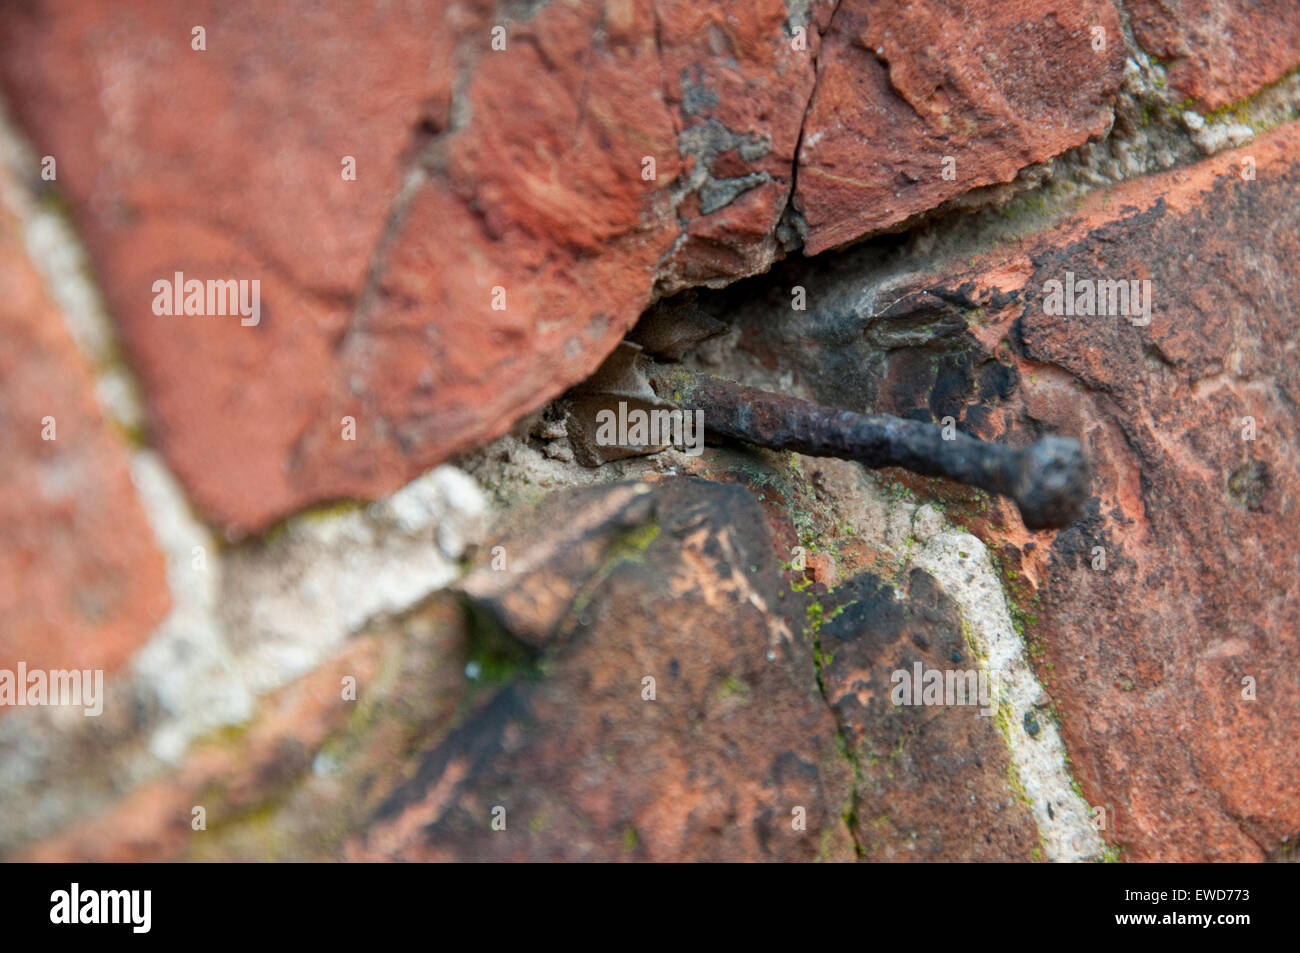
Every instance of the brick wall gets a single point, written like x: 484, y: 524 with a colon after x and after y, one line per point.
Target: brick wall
x: 352, y: 595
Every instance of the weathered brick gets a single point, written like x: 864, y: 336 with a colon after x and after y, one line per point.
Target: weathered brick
x: 82, y: 583
x: 903, y: 85
x: 225, y: 163
x: 711, y: 767
x: 1149, y: 657
x: 1217, y: 53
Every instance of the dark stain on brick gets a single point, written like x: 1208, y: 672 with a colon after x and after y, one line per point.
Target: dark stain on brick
x: 1248, y: 484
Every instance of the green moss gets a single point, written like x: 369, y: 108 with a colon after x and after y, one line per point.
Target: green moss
x: 973, y: 647
x: 632, y: 544
x: 315, y: 514
x: 630, y: 840
x: 257, y: 822
x: 495, y: 655
x: 733, y: 687
x: 225, y: 736
x: 1020, y: 618
x: 628, y: 546
x: 815, y: 616
x: 53, y: 200
x: 1248, y: 110
x: 897, y: 492
x: 824, y: 844
x: 1016, y: 785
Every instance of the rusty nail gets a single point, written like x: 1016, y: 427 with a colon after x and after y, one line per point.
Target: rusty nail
x: 1048, y: 479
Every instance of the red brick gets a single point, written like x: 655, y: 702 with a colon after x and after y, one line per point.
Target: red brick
x: 1147, y: 658
x: 226, y: 164
x: 901, y: 85
x: 82, y: 583
x: 1217, y: 53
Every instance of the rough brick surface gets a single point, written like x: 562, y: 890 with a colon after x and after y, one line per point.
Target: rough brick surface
x: 81, y: 580
x: 382, y: 308
x: 227, y: 163
x: 502, y: 235
x: 934, y: 778
x: 735, y: 738
x: 1199, y: 591
x: 901, y: 86
x: 1147, y: 657
x: 687, y: 590
x: 1217, y: 52
x: 156, y: 821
